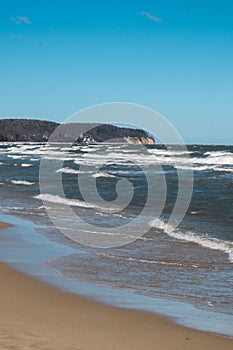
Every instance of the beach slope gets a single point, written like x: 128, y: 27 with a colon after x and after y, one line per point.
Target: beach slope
x: 35, y: 315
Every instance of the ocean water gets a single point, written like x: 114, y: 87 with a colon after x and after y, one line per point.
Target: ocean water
x: 192, y: 262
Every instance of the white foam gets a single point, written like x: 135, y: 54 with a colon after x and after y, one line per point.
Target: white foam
x: 59, y: 157
x: 188, y: 236
x: 204, y: 168
x: 26, y: 165
x: 67, y: 170
x: 226, y: 159
x: 166, y: 152
x: 101, y: 174
x: 18, y: 182
x: 211, y: 162
x: 217, y: 153
x: 16, y: 156
x: 221, y: 161
x: 194, y: 168
x: 70, y: 202
x: 9, y: 208
x: 228, y: 170
x: 88, y: 149
x: 60, y: 200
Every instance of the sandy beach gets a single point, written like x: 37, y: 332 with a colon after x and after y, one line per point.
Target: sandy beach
x: 35, y: 315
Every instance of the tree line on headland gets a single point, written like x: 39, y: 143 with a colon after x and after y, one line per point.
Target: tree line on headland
x: 31, y: 130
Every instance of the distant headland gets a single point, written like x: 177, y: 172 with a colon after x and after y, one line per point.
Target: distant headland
x: 32, y: 130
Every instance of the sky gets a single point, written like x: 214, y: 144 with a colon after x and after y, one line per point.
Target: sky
x: 175, y: 56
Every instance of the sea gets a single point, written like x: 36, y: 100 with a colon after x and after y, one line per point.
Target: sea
x: 189, y: 263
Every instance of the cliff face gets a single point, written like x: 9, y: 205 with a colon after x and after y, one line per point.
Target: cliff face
x: 29, y: 130
x: 145, y: 140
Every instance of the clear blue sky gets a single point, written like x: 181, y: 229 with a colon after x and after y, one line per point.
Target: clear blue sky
x: 175, y: 56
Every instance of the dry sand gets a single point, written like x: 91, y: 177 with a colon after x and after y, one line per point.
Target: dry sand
x: 35, y: 315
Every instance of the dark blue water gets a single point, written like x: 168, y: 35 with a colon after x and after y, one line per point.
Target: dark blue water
x: 191, y: 262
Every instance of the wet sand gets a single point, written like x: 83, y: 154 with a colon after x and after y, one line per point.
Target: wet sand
x: 35, y: 315
x: 4, y: 224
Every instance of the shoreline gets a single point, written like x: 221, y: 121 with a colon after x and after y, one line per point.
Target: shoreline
x: 40, y: 316
x: 4, y: 224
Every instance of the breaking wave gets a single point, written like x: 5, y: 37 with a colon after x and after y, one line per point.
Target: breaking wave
x: 70, y: 202
x: 18, y: 182
x: 191, y: 237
